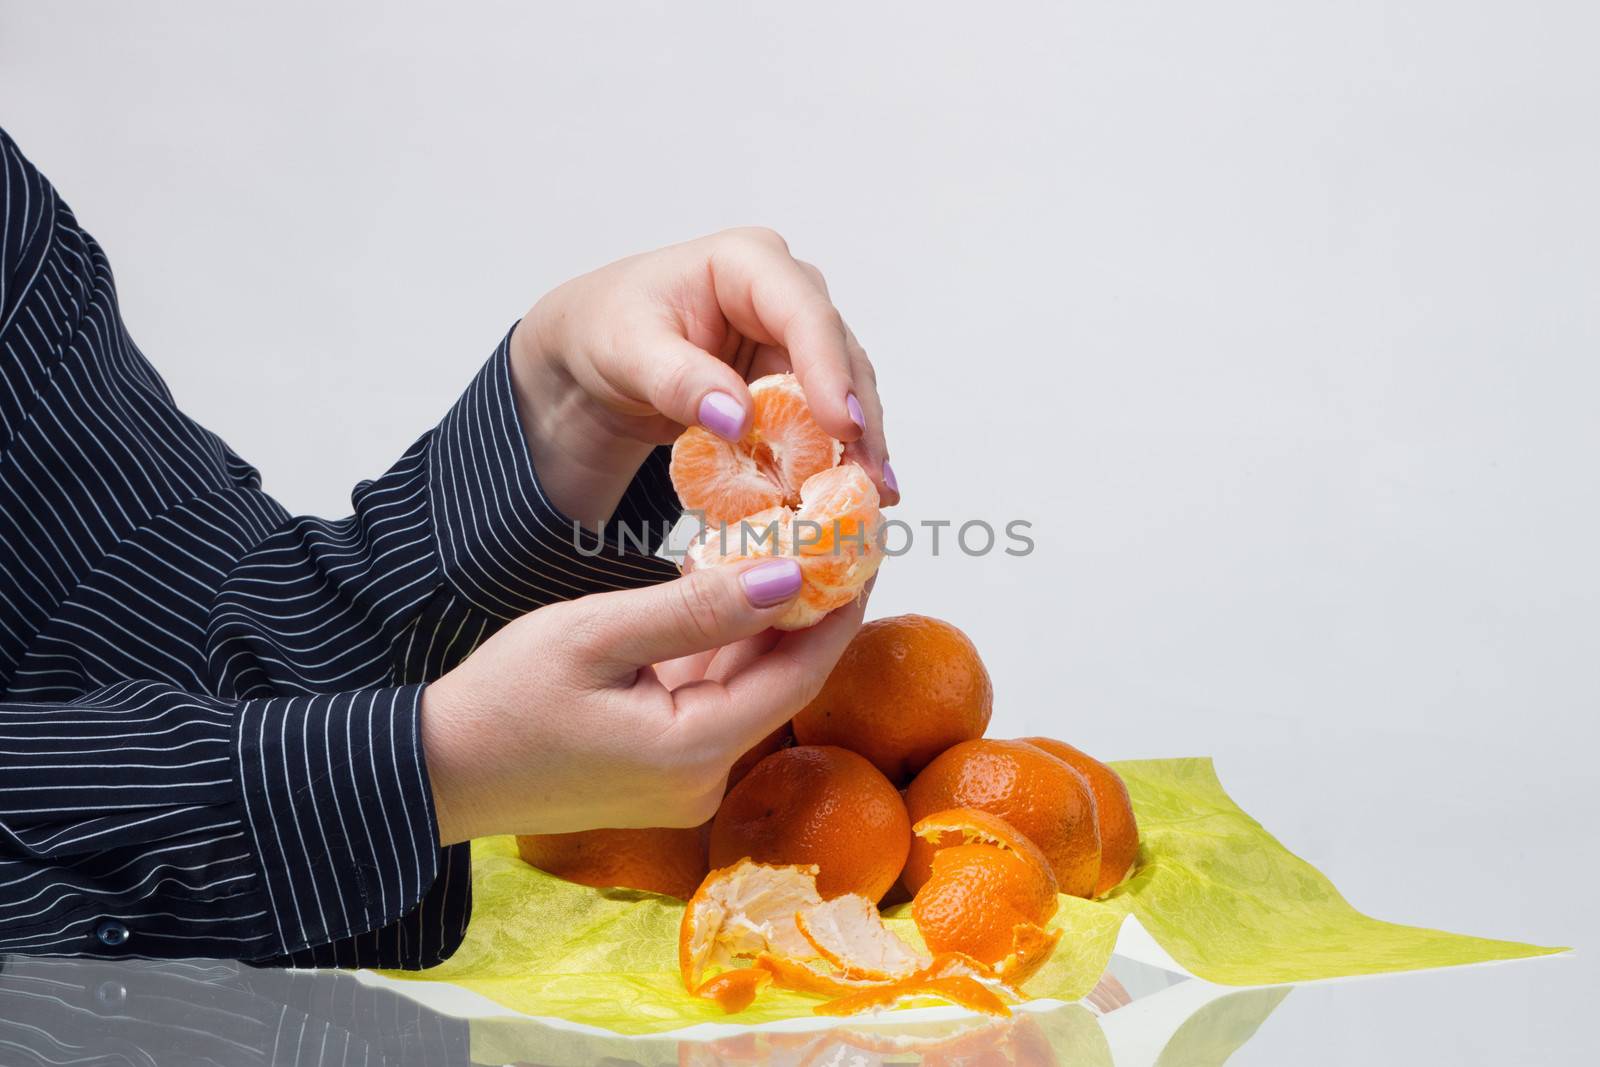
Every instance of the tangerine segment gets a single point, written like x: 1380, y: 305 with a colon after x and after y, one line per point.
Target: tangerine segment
x: 735, y: 990
x: 782, y: 448
x: 1119, y: 831
x: 848, y: 932
x: 958, y: 989
x: 660, y: 860
x: 1048, y: 801
x: 976, y: 897
x: 835, y: 536
x: 742, y: 911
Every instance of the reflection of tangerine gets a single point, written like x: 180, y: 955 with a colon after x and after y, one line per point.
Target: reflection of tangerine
x: 782, y: 491
x: 816, y: 804
x: 1044, y: 798
x: 783, y: 447
x: 1119, y: 833
x: 906, y: 689
x: 981, y: 892
x: 669, y: 861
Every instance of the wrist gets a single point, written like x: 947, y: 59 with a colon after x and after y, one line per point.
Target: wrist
x: 447, y: 753
x: 582, y: 464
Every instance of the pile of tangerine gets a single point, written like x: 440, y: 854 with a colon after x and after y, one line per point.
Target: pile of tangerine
x: 882, y: 789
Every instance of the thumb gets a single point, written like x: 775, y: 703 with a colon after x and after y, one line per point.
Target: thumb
x: 691, y: 386
x: 703, y: 610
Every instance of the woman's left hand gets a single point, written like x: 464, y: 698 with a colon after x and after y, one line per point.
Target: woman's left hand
x: 613, y: 363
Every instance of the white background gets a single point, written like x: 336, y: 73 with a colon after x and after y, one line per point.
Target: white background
x: 1278, y: 321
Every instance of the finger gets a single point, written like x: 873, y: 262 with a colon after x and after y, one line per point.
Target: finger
x: 689, y: 385
x: 766, y: 294
x: 769, y: 359
x: 772, y: 687
x: 703, y: 610
x: 871, y: 451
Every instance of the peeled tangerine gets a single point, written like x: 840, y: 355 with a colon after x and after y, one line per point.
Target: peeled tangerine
x: 837, y: 948
x: 782, y: 491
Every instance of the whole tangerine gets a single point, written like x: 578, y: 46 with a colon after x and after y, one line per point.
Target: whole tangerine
x: 1042, y: 797
x: 905, y: 689
x: 822, y: 805
x: 1119, y: 831
x: 669, y: 861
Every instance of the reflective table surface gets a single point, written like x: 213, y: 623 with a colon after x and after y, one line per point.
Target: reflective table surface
x: 79, y: 1012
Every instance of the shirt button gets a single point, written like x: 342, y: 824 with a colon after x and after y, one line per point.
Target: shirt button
x: 111, y: 933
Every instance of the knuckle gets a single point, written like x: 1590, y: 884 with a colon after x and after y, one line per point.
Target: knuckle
x: 761, y: 236
x: 700, y: 610
x: 674, y: 383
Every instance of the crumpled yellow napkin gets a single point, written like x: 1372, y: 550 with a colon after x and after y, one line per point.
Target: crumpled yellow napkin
x: 1218, y: 892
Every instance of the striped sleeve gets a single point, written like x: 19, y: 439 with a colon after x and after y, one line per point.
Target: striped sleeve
x: 504, y: 546
x: 209, y: 738
x: 143, y: 821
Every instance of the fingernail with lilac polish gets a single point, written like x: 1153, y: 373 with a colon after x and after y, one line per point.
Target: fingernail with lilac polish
x: 769, y: 584
x: 722, y: 415
x: 854, y: 407
x: 889, y: 478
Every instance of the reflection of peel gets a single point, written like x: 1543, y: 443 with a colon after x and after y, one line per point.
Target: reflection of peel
x: 1066, y: 1034
x: 1191, y: 1023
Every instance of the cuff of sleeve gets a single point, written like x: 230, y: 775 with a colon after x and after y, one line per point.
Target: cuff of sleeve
x: 337, y: 800
x: 502, y: 543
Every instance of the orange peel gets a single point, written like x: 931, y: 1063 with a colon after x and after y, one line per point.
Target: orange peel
x: 735, y: 990
x: 741, y: 911
x: 848, y: 933
x: 958, y: 989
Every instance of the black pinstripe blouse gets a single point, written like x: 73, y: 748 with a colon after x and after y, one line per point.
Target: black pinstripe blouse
x: 209, y: 707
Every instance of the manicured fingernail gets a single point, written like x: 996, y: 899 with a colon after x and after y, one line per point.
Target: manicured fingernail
x: 771, y: 583
x: 722, y: 415
x: 889, y: 478
x: 854, y: 407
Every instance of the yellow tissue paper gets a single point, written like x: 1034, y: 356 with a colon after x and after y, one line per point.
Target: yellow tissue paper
x: 1213, y: 888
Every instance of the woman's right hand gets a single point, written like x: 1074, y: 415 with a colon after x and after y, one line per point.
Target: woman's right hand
x: 622, y: 709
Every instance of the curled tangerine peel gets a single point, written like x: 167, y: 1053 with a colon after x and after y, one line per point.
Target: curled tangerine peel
x: 958, y: 989
x: 848, y: 933
x: 1048, y: 801
x: 800, y: 978
x: 1031, y: 948
x: 977, y: 827
x: 976, y: 897
x: 741, y: 911
x: 734, y: 991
